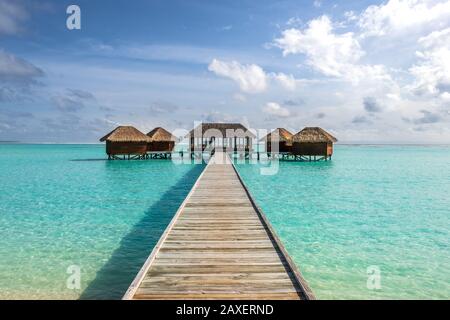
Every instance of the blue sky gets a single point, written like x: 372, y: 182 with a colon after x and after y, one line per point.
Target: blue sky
x: 368, y: 71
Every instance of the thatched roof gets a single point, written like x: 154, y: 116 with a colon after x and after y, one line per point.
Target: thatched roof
x: 125, y: 134
x: 161, y: 134
x: 225, y: 129
x: 280, y: 134
x: 313, y: 134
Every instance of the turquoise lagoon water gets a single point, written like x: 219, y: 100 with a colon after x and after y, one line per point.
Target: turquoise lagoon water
x: 386, y: 207
x: 62, y: 205
x: 383, y: 206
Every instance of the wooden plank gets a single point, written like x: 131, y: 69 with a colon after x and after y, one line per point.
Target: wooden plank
x: 233, y: 276
x: 219, y: 245
x: 222, y: 261
x: 219, y: 296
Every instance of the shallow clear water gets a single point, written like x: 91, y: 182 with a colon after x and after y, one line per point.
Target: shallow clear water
x: 62, y: 205
x: 382, y: 206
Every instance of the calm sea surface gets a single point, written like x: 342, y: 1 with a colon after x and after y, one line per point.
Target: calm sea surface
x: 382, y: 208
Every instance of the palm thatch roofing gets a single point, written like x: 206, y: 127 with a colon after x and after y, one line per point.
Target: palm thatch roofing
x: 225, y: 129
x: 279, y: 134
x: 160, y: 134
x: 313, y: 134
x: 125, y: 134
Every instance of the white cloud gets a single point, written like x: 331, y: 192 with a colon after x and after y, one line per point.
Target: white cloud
x: 350, y: 16
x: 432, y: 72
x: 17, y: 77
x: 274, y: 109
x: 330, y: 53
x: 393, y: 96
x: 436, y: 39
x: 338, y: 56
x: 294, y: 21
x: 251, y: 78
x: 287, y: 81
x: 12, y: 14
x: 317, y: 3
x: 446, y: 97
x: 323, y: 48
x: 401, y: 15
x: 15, y: 68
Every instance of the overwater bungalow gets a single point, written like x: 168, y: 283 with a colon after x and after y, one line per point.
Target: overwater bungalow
x: 126, y: 142
x: 279, y: 137
x: 227, y: 136
x: 161, y: 140
x: 313, y: 141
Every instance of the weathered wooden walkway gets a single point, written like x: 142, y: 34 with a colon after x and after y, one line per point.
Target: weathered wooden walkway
x: 219, y: 245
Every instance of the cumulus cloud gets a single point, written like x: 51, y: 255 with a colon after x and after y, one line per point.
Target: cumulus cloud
x: 17, y: 77
x: 397, y: 16
x: 445, y: 96
x: 287, y: 81
x: 251, y: 78
x: 371, y: 105
x: 428, y: 118
x: 73, y: 100
x: 432, y: 72
x: 15, y: 69
x: 350, y: 16
x: 12, y: 15
x: 330, y: 53
x: 324, y: 50
x: 274, y: 109
x: 367, y: 57
x: 294, y: 21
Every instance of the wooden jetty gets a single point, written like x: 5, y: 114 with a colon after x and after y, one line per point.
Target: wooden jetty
x: 219, y: 245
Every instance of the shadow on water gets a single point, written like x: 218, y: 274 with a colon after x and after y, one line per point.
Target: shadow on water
x: 114, y: 278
